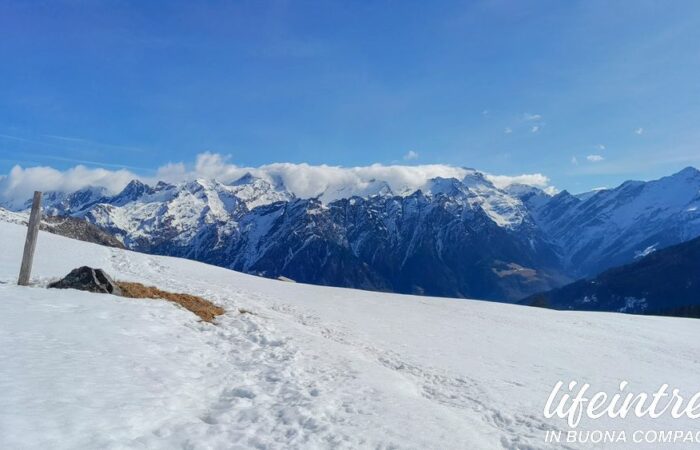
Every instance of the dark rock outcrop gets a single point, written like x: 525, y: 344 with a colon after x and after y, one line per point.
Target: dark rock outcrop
x: 82, y: 230
x: 88, y: 279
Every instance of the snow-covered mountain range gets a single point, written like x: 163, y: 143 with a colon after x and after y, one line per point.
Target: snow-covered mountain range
x: 450, y: 237
x: 610, y: 227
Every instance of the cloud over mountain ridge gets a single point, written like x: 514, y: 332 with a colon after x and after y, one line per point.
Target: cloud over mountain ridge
x: 301, y: 179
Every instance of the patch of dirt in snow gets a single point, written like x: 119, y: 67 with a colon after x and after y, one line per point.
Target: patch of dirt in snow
x: 204, y: 309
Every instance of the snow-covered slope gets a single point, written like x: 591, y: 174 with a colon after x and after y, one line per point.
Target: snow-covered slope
x: 311, y: 367
x: 13, y: 217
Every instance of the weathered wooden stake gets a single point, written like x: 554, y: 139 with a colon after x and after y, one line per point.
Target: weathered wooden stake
x: 30, y: 244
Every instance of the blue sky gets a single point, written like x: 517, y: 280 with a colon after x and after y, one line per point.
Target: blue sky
x: 589, y: 93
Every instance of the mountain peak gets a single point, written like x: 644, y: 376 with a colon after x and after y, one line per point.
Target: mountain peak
x: 476, y: 178
x: 161, y: 185
x: 134, y: 183
x: 135, y: 186
x: 371, y: 188
x: 521, y: 190
x: 446, y: 186
x: 255, y: 191
x: 131, y: 192
x: 248, y: 178
x: 687, y: 172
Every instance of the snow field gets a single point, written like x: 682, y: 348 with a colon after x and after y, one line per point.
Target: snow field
x: 309, y: 367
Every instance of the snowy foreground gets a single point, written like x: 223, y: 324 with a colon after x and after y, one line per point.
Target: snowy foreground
x: 312, y: 367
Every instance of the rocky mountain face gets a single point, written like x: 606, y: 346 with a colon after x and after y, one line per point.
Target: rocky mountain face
x: 435, y: 244
x: 79, y: 229
x: 451, y: 237
x: 664, y: 282
x: 611, y: 227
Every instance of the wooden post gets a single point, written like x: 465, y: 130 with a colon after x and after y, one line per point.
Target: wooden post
x: 30, y: 244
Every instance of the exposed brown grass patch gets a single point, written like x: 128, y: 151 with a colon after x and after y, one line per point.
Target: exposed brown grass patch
x: 203, y: 308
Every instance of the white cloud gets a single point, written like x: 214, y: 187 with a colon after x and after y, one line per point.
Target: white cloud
x: 600, y: 147
x: 411, y: 154
x: 535, y: 128
x: 532, y: 117
x: 303, y: 179
x: 531, y: 179
x: 20, y: 183
x: 595, y: 158
x: 639, y: 130
x: 173, y: 172
x: 508, y: 130
x: 574, y: 160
